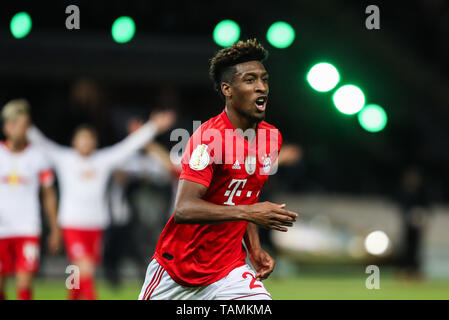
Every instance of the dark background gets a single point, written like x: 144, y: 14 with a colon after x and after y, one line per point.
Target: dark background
x: 402, y: 67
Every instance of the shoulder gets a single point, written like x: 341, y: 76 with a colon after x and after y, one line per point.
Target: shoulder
x: 274, y: 133
x: 37, y: 154
x: 205, y: 140
x: 215, y: 123
x: 31, y: 151
x: 266, y: 125
x: 35, y: 150
x: 3, y: 147
x: 211, y: 131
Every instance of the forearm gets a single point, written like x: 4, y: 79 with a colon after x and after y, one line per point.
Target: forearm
x: 161, y: 153
x: 198, y: 211
x: 251, y: 238
x: 50, y: 205
x: 135, y: 141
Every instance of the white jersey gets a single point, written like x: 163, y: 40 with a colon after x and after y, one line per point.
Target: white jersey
x: 21, y: 174
x: 83, y: 180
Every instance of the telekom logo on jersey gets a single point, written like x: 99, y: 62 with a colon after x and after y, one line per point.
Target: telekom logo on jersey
x: 234, y: 191
x: 234, y: 152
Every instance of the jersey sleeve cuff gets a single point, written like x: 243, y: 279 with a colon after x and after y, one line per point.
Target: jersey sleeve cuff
x: 195, y: 179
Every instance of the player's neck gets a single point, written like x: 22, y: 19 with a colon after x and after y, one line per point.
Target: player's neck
x: 84, y: 154
x: 239, y: 121
x: 16, y: 146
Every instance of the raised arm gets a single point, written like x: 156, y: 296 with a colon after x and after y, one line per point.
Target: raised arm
x: 154, y: 165
x: 51, y: 148
x: 158, y: 123
x: 162, y: 155
x: 190, y: 208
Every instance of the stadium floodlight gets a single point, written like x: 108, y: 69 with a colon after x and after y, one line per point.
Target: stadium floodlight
x: 323, y: 77
x: 123, y: 29
x: 349, y: 99
x: 280, y: 35
x: 372, y: 118
x: 377, y: 242
x: 20, y: 25
x: 226, y: 32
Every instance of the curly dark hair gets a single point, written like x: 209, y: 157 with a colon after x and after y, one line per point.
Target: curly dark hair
x: 222, y: 65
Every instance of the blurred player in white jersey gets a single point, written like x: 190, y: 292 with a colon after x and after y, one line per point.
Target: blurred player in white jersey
x: 23, y: 171
x: 83, y: 173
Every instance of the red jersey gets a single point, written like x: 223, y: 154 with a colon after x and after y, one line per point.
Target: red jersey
x: 234, y: 170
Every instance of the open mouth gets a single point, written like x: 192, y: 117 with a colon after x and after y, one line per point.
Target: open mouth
x: 261, y: 103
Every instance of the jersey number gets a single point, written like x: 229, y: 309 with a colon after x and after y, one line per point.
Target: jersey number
x: 251, y: 284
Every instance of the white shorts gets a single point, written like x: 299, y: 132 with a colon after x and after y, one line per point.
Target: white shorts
x: 239, y: 284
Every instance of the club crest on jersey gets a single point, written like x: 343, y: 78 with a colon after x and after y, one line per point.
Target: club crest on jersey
x: 250, y: 164
x: 266, y: 164
x: 200, y: 158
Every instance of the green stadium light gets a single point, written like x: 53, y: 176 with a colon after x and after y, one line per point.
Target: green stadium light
x: 349, y: 99
x: 123, y: 29
x: 20, y: 25
x: 280, y: 35
x: 226, y: 32
x: 323, y: 77
x: 373, y: 118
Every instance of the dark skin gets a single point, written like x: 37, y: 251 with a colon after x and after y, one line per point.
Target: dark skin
x: 249, y: 82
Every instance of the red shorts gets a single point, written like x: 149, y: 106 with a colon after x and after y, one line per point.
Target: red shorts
x: 19, y: 254
x: 80, y: 244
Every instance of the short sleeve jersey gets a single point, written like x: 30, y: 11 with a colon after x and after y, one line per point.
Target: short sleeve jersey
x: 234, y: 171
x: 21, y: 175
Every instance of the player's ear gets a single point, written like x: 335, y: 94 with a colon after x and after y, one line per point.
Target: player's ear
x: 226, y: 89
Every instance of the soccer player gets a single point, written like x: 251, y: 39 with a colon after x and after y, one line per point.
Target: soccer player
x: 24, y: 171
x: 200, y: 254
x: 83, y: 173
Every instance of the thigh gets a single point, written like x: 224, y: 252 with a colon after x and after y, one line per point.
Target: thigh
x: 82, y: 244
x: 95, y: 245
x: 241, y: 284
x: 26, y: 252
x: 6, y: 257
x: 75, y: 244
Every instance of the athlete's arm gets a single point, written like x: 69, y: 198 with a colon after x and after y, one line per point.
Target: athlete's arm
x: 35, y: 136
x: 157, y: 124
x: 162, y: 154
x: 154, y: 165
x: 50, y: 206
x: 260, y: 259
x: 251, y: 238
x: 190, y: 208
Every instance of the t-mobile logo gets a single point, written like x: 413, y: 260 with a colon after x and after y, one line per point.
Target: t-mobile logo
x: 233, y: 191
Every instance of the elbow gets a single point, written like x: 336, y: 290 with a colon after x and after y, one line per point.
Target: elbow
x: 180, y: 215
